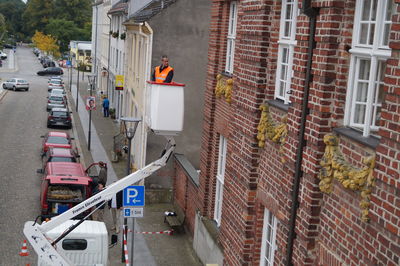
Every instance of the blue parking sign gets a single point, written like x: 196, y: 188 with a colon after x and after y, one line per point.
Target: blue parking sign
x: 133, y: 196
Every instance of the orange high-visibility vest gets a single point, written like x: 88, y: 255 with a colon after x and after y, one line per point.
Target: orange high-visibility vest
x: 161, y: 76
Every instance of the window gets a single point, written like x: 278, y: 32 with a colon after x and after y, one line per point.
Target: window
x: 287, y: 42
x: 230, y: 50
x: 74, y: 244
x: 220, y: 180
x: 268, y: 245
x: 368, y: 62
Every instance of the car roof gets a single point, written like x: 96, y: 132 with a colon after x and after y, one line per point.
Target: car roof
x: 58, y: 134
x: 59, y: 109
x: 55, y: 95
x: 61, y: 152
x: 65, y: 169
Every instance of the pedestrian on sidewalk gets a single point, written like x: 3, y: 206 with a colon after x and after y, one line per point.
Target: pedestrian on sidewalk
x: 103, y: 172
x: 98, y: 215
x: 115, y: 205
x: 106, y: 107
x: 163, y: 73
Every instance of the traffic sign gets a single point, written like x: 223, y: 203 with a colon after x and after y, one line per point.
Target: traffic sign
x: 133, y: 196
x: 133, y: 212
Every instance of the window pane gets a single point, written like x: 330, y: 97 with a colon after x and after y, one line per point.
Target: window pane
x: 359, y: 114
x: 362, y: 92
x: 287, y: 28
x: 365, y: 66
x: 366, y: 10
x: 288, y: 14
x: 386, y: 30
x: 389, y: 8
x: 74, y: 244
x: 371, y: 34
x: 373, y: 11
x: 363, y: 33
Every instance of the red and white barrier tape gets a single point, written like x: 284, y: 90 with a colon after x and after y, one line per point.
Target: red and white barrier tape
x: 166, y: 232
x: 125, y: 247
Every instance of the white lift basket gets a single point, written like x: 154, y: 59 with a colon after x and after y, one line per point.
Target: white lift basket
x: 165, y: 107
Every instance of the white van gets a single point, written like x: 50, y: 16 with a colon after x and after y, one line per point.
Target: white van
x: 85, y: 245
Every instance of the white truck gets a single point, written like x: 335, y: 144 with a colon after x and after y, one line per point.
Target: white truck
x: 45, y: 238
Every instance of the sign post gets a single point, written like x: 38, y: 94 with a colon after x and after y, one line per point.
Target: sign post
x: 133, y: 197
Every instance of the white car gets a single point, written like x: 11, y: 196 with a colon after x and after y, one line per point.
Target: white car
x: 3, y: 55
x: 55, y: 84
x: 16, y: 84
x: 58, y: 92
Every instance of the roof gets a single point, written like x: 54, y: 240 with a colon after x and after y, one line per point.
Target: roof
x: 61, y: 152
x: 119, y: 7
x: 66, y: 169
x: 151, y: 9
x: 84, y: 46
x: 58, y: 134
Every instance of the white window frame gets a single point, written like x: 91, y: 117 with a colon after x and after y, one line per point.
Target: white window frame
x: 231, y: 39
x: 219, y: 187
x: 268, y: 244
x: 375, y: 53
x: 286, y: 42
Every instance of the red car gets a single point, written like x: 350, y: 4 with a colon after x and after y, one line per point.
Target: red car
x: 64, y: 185
x: 57, y: 140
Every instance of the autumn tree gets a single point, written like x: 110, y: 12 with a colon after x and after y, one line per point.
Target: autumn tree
x: 46, y: 43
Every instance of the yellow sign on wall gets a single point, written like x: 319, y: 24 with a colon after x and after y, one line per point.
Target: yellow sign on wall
x: 119, y: 82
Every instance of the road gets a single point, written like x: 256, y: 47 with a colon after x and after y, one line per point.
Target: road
x: 22, y: 122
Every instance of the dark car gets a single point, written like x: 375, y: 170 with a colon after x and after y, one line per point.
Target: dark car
x: 51, y: 71
x: 59, y: 117
x: 48, y: 63
x: 59, y: 155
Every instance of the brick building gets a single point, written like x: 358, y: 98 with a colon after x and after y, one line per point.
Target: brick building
x: 301, y: 135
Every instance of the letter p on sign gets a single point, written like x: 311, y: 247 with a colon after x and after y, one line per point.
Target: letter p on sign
x: 133, y: 196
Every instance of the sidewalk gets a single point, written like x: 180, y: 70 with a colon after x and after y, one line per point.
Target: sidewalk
x: 157, y: 249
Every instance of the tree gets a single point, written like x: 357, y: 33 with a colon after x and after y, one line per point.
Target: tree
x: 46, y: 43
x: 37, y: 14
x: 78, y: 11
x: 12, y: 11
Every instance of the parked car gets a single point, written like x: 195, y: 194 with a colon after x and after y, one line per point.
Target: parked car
x: 56, y: 78
x: 51, y: 71
x: 64, y: 185
x: 48, y: 63
x: 59, y: 117
x: 55, y: 84
x: 59, y: 155
x: 56, y: 139
x: 16, y: 84
x: 8, y: 46
x: 58, y: 91
x: 56, y: 101
x: 3, y: 55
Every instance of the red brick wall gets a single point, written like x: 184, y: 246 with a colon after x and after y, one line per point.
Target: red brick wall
x: 328, y: 227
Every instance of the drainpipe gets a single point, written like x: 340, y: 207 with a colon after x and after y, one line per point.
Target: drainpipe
x: 312, y: 13
x: 108, y: 57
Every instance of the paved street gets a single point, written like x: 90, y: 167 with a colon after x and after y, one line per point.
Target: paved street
x: 22, y: 122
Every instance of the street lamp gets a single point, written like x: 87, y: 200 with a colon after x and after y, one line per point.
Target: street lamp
x: 77, y: 85
x: 91, y: 79
x: 130, y: 125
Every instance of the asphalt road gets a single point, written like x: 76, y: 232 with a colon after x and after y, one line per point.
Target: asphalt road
x: 22, y: 122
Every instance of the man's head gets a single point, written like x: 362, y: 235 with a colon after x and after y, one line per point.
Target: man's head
x: 164, y: 61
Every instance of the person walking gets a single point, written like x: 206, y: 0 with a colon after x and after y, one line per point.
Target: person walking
x: 98, y: 215
x: 103, y: 172
x: 115, y: 205
x: 106, y: 106
x: 163, y: 73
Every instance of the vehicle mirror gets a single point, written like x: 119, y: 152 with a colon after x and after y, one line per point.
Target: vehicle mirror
x: 39, y: 171
x: 114, y: 240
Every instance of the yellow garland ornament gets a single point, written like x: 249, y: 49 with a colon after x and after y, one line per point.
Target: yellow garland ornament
x: 267, y: 129
x: 224, y: 88
x: 334, y: 166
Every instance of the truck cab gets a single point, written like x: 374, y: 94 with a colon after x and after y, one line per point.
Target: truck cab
x: 86, y: 245
x: 64, y: 185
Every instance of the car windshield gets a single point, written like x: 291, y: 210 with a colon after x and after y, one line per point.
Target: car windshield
x: 55, y: 81
x: 22, y: 81
x: 57, y: 140
x: 57, y: 91
x: 62, y: 159
x: 59, y: 114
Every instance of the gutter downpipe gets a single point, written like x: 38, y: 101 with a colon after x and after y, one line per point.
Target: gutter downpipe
x: 108, y: 58
x: 312, y: 13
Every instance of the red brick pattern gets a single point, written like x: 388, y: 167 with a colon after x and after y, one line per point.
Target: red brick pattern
x: 328, y: 227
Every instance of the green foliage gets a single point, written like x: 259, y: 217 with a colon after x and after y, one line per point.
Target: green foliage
x: 12, y: 11
x: 78, y: 11
x: 37, y: 15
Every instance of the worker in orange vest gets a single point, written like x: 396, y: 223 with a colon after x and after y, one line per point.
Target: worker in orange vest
x: 163, y: 73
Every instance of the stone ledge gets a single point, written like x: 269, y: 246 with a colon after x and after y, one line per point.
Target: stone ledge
x: 357, y: 136
x: 279, y: 104
x: 188, y: 167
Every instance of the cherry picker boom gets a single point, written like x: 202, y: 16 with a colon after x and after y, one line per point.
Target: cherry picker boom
x: 36, y: 234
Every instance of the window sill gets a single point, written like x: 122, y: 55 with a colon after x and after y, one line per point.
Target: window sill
x: 279, y: 104
x: 371, y: 141
x: 226, y: 74
x: 212, y: 229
